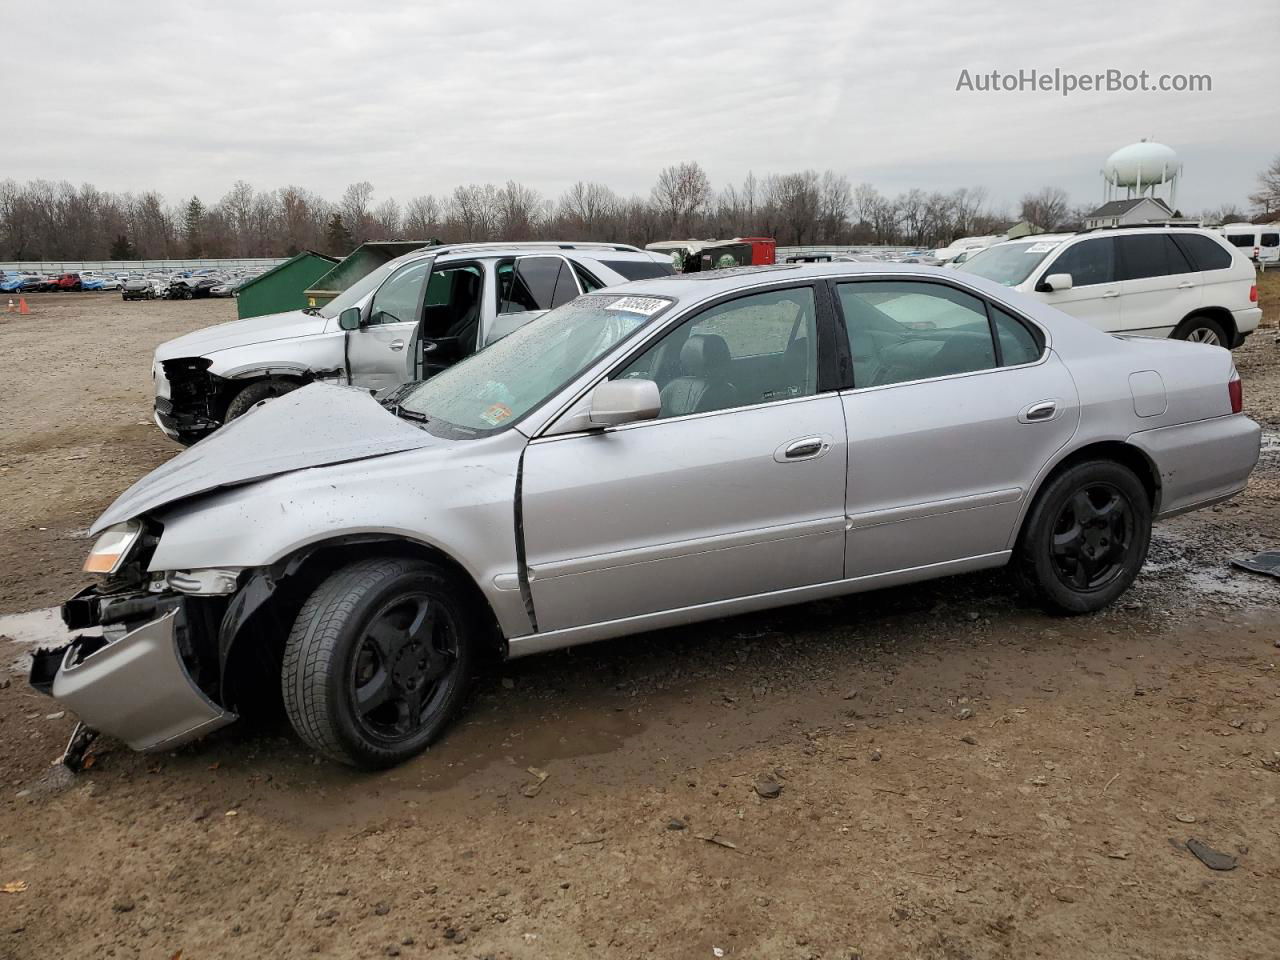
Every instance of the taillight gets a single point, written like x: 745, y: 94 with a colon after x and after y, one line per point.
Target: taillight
x: 1236, y: 391
x: 1253, y: 294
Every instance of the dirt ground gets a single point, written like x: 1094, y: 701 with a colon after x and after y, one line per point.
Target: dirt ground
x: 960, y: 776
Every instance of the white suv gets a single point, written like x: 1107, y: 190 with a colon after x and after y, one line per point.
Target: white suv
x: 1145, y: 281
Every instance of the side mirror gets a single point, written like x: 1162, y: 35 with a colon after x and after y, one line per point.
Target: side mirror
x: 349, y: 319
x: 1054, y: 281
x: 624, y: 401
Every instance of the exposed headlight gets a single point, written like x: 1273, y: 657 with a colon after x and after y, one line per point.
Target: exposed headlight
x: 112, y: 546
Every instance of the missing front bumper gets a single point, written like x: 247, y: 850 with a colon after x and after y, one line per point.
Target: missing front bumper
x: 136, y: 688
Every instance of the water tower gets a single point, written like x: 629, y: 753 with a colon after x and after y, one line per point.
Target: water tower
x: 1142, y: 169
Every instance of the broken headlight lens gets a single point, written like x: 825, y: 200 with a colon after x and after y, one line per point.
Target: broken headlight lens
x: 112, y: 547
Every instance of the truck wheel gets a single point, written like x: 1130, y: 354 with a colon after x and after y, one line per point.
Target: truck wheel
x: 378, y: 661
x: 255, y: 393
x: 1201, y: 329
x: 1085, y: 538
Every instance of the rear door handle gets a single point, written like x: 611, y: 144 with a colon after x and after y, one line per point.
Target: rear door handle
x: 806, y: 448
x: 397, y: 344
x: 1037, y: 412
x: 1186, y: 285
x: 1110, y: 293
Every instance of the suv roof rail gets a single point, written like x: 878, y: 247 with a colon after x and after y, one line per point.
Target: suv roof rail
x: 1144, y: 226
x: 531, y: 245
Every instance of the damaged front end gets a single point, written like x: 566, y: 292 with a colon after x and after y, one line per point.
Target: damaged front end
x: 189, y: 399
x: 151, y: 677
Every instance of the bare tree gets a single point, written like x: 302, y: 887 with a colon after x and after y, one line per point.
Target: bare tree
x: 354, y: 208
x: 834, y: 203
x: 588, y: 211
x: 1046, y: 208
x: 386, y: 219
x: 1267, y: 197
x: 682, y: 193
x: 422, y: 216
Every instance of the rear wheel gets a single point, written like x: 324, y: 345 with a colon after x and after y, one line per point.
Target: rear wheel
x: 1086, y: 537
x: 1201, y: 329
x: 255, y: 393
x: 378, y: 661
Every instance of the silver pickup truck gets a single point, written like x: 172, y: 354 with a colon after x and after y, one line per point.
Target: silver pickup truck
x: 407, y: 320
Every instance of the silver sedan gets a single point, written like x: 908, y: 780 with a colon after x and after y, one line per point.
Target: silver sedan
x: 647, y: 455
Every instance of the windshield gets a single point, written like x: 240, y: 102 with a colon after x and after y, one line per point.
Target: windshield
x: 357, y: 291
x: 1008, y: 263
x: 494, y: 388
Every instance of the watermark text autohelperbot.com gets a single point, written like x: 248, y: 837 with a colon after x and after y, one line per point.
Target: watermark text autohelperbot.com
x: 1065, y: 82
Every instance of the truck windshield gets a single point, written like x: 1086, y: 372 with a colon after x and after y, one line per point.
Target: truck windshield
x: 493, y: 389
x: 1008, y: 263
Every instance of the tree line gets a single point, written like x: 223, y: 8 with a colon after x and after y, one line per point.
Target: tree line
x: 46, y: 220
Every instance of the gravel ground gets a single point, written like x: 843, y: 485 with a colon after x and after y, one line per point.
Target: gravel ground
x: 936, y: 771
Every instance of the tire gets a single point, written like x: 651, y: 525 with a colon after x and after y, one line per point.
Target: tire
x: 394, y: 628
x: 255, y: 393
x: 1202, y: 329
x: 1086, y: 537
x: 187, y: 294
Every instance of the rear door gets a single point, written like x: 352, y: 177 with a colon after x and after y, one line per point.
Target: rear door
x: 948, y: 424
x: 1094, y: 296
x: 737, y: 489
x: 379, y: 354
x: 1158, y: 288
x: 528, y: 287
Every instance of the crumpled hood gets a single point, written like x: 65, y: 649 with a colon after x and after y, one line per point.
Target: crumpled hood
x: 314, y: 426
x: 238, y: 333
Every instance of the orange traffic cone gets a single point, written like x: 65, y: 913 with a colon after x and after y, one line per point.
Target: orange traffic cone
x: 22, y: 306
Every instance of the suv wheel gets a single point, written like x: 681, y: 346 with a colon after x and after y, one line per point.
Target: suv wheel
x: 1086, y: 537
x: 254, y: 394
x: 378, y: 661
x: 1201, y: 329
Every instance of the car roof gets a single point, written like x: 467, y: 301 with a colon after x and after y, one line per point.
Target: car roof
x: 494, y: 249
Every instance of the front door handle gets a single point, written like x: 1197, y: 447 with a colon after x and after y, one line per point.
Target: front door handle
x: 806, y: 448
x: 1044, y: 410
x: 1187, y: 285
x: 397, y: 344
x: 1110, y: 293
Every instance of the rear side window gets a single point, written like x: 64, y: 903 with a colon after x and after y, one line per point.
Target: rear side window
x: 1203, y: 252
x: 534, y: 283
x: 1271, y: 240
x: 639, y: 269
x: 1089, y: 262
x: 901, y: 331
x: 1145, y: 255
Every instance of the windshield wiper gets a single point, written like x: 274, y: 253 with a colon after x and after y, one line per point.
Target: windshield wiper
x: 311, y: 311
x: 413, y: 415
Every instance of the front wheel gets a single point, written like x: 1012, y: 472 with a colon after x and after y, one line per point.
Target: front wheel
x: 1086, y: 537
x: 378, y: 661
x: 254, y: 394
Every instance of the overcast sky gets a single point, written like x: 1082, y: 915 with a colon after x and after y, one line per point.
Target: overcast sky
x: 418, y: 97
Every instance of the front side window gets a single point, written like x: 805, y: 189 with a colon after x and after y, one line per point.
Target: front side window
x: 755, y: 349
x: 494, y: 388
x: 1089, y: 262
x: 398, y: 299
x: 909, y: 330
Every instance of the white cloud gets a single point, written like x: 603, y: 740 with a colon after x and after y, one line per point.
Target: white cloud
x: 419, y: 97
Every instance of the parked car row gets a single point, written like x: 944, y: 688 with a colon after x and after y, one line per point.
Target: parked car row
x: 132, y: 286
x: 503, y: 449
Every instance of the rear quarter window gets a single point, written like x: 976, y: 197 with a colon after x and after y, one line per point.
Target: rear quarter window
x: 639, y: 269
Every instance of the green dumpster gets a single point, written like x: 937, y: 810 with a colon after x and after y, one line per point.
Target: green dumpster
x: 282, y: 287
x: 359, y: 263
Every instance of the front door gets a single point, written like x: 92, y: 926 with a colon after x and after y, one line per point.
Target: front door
x: 955, y: 408
x: 1094, y: 296
x: 379, y: 353
x: 736, y: 489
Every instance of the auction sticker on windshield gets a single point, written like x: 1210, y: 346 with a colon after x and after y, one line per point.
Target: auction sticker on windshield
x: 646, y: 306
x: 1040, y: 248
x: 495, y: 414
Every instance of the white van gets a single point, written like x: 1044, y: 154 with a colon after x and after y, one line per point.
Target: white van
x: 1259, y: 242
x: 1189, y: 284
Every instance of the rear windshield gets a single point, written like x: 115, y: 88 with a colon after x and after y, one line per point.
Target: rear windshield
x: 1009, y: 263
x: 639, y: 269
